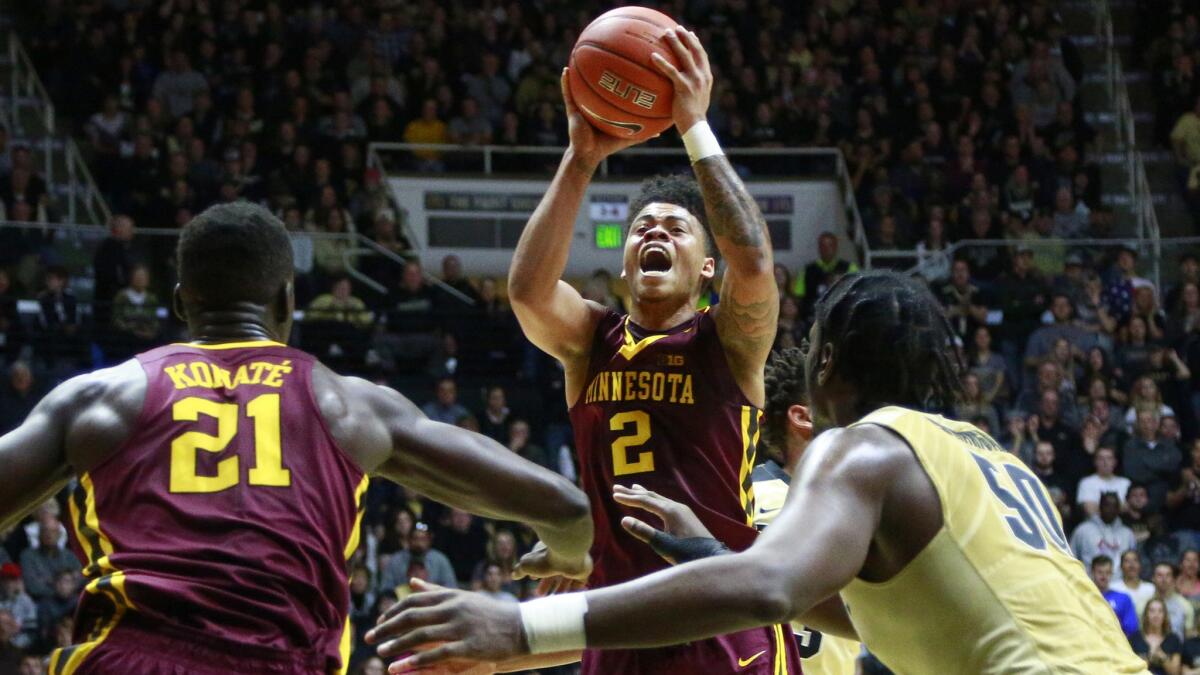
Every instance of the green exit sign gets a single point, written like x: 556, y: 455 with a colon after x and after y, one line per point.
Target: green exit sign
x: 609, y: 235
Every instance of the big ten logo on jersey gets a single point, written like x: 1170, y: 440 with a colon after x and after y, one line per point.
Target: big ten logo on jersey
x: 671, y: 360
x: 627, y: 91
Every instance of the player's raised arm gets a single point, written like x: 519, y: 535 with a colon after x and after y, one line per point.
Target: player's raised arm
x: 845, y: 474
x: 464, y: 469
x: 551, y: 312
x: 90, y: 412
x: 746, y: 315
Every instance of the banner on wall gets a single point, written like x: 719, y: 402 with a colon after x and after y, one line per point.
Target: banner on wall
x: 480, y: 220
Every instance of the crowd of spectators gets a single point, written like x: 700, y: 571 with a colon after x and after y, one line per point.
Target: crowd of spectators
x: 959, y: 120
x: 1168, y: 44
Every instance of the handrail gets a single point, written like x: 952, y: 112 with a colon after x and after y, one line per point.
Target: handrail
x: 489, y: 152
x: 358, y: 243
x: 850, y: 203
x: 1137, y: 184
x: 25, y: 80
x: 93, y: 200
x: 26, y: 83
x: 558, y: 150
x: 1153, y: 245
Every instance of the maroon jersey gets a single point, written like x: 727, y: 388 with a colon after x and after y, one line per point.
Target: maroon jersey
x: 664, y: 411
x: 227, y: 516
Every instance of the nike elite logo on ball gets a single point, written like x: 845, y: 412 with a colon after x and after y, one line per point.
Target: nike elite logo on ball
x: 625, y: 90
x: 631, y: 128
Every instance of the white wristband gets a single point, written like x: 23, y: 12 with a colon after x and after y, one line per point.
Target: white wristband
x: 555, y: 623
x: 700, y: 142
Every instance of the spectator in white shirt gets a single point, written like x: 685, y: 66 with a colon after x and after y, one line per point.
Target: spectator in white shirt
x: 1104, y: 480
x: 1131, y: 582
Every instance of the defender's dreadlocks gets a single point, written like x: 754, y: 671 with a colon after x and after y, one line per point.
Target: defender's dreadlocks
x: 784, y: 380
x: 680, y: 190
x: 891, y: 340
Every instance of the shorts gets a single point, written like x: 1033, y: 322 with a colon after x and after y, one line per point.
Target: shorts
x: 127, y: 645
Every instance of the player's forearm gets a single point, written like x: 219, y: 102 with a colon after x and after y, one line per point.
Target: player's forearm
x: 545, y: 243
x: 34, y: 461
x: 538, y: 661
x: 718, y: 595
x: 462, y: 469
x: 733, y: 216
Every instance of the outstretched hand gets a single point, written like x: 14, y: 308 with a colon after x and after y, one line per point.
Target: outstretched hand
x: 458, y: 631
x: 693, y: 79
x: 587, y: 142
x: 556, y: 574
x: 683, y: 537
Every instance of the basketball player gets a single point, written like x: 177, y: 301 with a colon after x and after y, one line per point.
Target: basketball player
x: 666, y: 396
x: 221, y: 480
x: 946, y: 550
x: 787, y: 431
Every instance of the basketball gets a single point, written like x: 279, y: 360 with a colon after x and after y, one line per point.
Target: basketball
x: 614, y: 83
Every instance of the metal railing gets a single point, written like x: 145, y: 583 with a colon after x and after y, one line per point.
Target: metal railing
x: 1137, y: 185
x: 1151, y: 249
x: 799, y: 161
x: 1125, y: 142
x: 821, y: 160
x: 25, y: 85
x: 81, y: 237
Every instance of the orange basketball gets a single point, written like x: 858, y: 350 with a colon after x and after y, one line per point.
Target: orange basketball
x: 612, y: 80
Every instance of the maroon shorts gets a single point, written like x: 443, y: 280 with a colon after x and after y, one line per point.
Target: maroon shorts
x: 759, y: 651
x: 130, y: 646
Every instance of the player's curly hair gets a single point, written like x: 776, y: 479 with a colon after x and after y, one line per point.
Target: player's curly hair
x: 235, y: 252
x: 786, y: 387
x: 891, y: 341
x: 679, y: 189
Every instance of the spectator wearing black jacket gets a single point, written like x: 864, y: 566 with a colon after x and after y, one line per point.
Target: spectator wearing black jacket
x: 113, y: 265
x: 60, y: 340
x: 12, y: 334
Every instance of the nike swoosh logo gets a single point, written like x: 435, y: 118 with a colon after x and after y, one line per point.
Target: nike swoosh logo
x: 742, y: 663
x: 631, y: 127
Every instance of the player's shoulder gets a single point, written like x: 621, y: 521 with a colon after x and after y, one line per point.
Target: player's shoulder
x: 122, y: 386
x: 347, y: 396
x: 604, y: 318
x: 867, y: 453
x: 360, y: 415
x: 101, y: 407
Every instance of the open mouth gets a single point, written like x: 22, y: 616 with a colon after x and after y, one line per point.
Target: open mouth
x: 654, y: 260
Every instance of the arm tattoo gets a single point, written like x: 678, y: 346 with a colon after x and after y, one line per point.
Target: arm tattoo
x: 732, y: 212
x: 751, y: 324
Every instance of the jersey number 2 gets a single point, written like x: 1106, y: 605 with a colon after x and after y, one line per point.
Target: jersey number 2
x: 622, y: 464
x: 1034, y: 512
x: 268, y: 453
